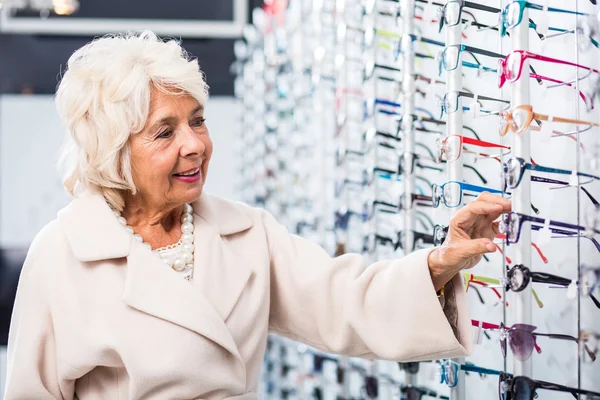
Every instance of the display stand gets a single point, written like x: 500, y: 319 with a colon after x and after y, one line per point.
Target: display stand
x: 521, y: 196
x: 408, y: 138
x: 454, y: 125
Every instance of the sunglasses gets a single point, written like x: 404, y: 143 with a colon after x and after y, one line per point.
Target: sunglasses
x: 520, y: 118
x: 521, y: 338
x: 514, y: 169
x: 524, y: 388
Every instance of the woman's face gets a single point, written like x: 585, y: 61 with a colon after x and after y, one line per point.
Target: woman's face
x: 170, y: 156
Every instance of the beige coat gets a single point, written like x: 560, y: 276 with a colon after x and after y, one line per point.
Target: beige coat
x: 98, y: 316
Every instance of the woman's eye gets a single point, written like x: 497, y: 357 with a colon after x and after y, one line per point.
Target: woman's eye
x: 199, y: 121
x: 164, y: 135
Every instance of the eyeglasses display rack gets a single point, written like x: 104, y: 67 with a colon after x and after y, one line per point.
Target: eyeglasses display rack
x: 366, y: 124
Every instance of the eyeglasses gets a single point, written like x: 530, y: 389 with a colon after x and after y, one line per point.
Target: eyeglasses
x: 590, y: 342
x: 514, y: 169
x: 419, y: 239
x: 519, y: 276
x: 511, y: 68
x: 449, y: 103
x: 448, y: 58
x: 451, y: 12
x: 414, y: 161
x: 590, y: 278
x: 524, y: 388
x: 417, y: 393
x: 440, y: 232
x: 451, y: 193
x: 521, y: 117
x: 521, y: 338
x: 539, y: 179
x: 448, y: 370
x: 450, y: 147
x: 512, y: 223
x: 486, y: 281
x: 512, y: 13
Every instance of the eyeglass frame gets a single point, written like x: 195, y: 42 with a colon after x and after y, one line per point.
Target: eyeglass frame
x: 437, y: 199
x: 524, y: 165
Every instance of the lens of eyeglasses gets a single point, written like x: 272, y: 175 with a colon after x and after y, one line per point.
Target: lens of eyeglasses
x: 453, y: 148
x: 522, y: 389
x: 511, y: 172
x: 451, y: 102
x: 521, y: 341
x: 512, y: 227
x: 451, y: 373
x: 513, y: 63
x: 439, y: 234
x: 519, y: 120
x: 503, y: 386
x: 503, y: 336
x: 591, y: 217
x: 452, y: 194
x: 452, y: 13
x: 503, y: 123
x: 450, y: 57
x: 436, y: 195
x: 591, y: 342
x: 516, y: 278
x: 589, y: 281
x: 440, y: 153
x: 512, y: 14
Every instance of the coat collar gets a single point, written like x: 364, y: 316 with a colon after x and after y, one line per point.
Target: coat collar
x: 220, y: 274
x: 94, y: 233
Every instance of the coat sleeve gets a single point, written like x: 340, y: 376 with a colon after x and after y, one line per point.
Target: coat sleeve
x: 33, y: 365
x: 387, y: 310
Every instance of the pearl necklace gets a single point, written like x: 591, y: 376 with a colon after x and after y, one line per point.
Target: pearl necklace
x: 183, y: 262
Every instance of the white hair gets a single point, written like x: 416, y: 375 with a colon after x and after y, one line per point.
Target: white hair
x: 104, y: 97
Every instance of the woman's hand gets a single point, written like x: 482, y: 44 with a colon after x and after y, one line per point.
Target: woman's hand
x: 470, y: 235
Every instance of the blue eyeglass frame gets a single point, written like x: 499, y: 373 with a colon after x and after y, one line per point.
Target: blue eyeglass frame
x: 524, y: 165
x: 464, y: 367
x: 463, y: 186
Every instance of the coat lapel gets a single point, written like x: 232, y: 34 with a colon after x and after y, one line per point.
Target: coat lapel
x: 220, y: 274
x: 153, y: 288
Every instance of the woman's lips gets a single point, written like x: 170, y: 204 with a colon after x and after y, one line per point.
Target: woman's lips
x: 189, y: 177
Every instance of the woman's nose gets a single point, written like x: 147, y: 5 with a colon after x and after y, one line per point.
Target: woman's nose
x: 191, y: 144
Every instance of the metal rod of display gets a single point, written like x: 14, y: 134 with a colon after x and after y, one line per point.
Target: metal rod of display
x: 408, y: 90
x: 578, y: 168
x: 454, y: 125
x: 521, y: 196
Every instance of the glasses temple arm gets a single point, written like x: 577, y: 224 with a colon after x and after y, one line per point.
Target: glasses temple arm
x: 556, y: 61
x: 485, y: 181
x: 481, y: 143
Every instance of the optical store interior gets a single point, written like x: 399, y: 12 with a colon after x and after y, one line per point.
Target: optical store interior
x: 402, y: 200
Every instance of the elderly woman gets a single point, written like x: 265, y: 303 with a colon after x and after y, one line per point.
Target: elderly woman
x: 144, y: 287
